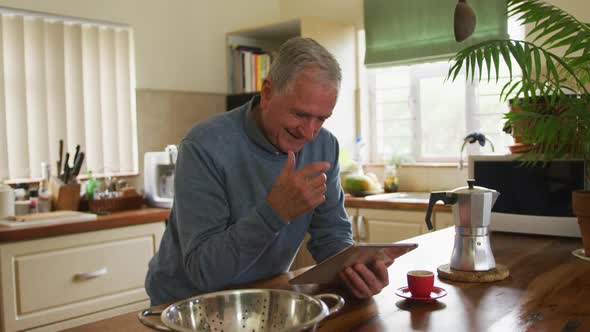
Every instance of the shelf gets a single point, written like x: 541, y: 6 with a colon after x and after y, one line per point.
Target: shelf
x: 234, y: 100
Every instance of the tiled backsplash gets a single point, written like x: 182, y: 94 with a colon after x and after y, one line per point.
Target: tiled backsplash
x: 424, y: 178
x: 164, y: 117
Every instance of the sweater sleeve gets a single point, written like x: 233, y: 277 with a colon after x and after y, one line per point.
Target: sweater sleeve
x: 215, y: 248
x: 330, y: 228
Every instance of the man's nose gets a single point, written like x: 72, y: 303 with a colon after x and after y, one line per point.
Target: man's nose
x: 309, y: 129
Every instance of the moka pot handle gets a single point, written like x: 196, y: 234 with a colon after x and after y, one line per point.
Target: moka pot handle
x: 446, y: 197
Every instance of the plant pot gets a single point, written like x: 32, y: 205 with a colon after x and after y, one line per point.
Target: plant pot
x: 581, y: 207
x: 555, y: 122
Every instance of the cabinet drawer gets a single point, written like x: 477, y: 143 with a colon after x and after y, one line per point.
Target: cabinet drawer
x: 388, y: 231
x: 59, y: 277
x: 407, y: 216
x: 72, y: 277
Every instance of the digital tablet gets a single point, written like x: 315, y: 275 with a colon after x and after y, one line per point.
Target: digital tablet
x: 327, y: 271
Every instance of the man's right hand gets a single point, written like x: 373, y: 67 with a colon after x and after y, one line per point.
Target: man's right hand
x: 298, y: 191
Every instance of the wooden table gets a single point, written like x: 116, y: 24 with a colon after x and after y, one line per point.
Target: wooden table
x: 548, y: 290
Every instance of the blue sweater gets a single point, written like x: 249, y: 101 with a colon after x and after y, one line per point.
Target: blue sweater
x: 222, y: 232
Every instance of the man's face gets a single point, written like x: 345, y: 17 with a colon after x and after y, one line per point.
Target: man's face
x: 294, y: 118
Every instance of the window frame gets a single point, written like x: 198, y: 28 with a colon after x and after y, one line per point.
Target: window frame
x: 418, y: 72
x: 516, y: 31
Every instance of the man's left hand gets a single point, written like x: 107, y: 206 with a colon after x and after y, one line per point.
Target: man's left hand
x: 364, y: 281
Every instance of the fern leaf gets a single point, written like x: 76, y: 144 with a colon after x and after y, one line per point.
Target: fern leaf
x: 537, y: 61
x: 506, y: 55
x: 479, y: 56
x: 473, y: 62
x: 496, y: 57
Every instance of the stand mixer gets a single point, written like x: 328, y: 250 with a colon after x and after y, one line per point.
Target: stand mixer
x: 472, y: 208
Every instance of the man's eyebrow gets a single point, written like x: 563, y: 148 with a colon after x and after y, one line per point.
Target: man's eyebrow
x: 300, y: 111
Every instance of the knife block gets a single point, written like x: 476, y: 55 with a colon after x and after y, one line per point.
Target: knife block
x: 64, y: 196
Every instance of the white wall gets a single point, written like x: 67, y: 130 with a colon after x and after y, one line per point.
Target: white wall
x: 351, y: 11
x: 179, y: 44
x: 343, y: 11
x: 579, y: 8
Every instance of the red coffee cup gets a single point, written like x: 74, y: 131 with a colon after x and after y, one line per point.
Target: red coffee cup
x: 420, y: 283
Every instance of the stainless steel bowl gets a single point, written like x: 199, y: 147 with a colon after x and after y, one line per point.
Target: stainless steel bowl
x: 251, y: 310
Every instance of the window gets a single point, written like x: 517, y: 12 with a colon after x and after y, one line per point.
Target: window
x: 415, y: 112
x: 70, y: 79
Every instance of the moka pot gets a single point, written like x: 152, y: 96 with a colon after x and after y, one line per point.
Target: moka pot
x: 472, y: 209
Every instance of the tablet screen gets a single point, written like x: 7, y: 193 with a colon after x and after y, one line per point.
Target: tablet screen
x: 365, y: 253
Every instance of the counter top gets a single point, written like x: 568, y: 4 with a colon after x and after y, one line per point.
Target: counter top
x: 116, y: 219
x: 548, y: 290
x: 369, y: 203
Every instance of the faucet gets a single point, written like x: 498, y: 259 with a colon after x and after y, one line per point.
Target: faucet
x: 472, y: 137
x: 172, y: 153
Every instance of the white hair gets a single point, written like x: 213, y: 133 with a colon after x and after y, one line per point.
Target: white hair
x: 297, y: 54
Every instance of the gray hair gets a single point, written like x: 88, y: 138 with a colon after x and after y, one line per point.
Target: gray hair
x: 299, y: 53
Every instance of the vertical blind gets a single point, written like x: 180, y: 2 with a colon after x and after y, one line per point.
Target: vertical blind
x: 70, y: 79
x: 416, y: 31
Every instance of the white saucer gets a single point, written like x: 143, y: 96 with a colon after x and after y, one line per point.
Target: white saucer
x: 580, y: 254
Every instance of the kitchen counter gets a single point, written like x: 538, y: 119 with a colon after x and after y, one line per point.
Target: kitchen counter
x: 116, y: 219
x: 375, y: 202
x: 548, y: 290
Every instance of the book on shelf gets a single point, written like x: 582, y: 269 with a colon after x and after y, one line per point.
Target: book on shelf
x: 248, y: 68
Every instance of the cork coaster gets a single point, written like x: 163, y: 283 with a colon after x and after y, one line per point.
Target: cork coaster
x: 581, y: 254
x: 499, y: 273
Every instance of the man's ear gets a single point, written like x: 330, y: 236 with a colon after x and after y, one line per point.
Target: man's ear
x: 265, y: 93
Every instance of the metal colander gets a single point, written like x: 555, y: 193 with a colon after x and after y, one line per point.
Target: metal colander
x: 251, y: 310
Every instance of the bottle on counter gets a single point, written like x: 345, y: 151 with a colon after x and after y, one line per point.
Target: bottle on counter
x: 33, y: 201
x: 390, y: 183
x: 44, y: 201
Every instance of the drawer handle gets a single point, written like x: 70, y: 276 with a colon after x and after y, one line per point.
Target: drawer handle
x: 91, y: 275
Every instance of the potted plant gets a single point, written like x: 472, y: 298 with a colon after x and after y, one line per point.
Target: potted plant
x: 552, y: 98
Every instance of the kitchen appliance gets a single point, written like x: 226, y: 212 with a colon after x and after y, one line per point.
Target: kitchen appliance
x: 6, y: 201
x: 472, y: 208
x: 246, y: 310
x: 158, y: 176
x: 536, y: 198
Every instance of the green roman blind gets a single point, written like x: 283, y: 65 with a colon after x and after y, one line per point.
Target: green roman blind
x: 416, y: 31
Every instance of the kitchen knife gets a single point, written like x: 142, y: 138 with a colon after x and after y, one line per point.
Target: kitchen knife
x: 61, y: 152
x: 66, y: 169
x: 76, y: 155
x: 78, y: 165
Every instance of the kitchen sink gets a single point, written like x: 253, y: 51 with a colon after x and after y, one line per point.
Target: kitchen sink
x: 406, y: 197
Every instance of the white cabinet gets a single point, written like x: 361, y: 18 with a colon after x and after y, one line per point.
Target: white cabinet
x: 60, y: 282
x: 353, y: 216
x: 392, y: 225
x: 443, y: 219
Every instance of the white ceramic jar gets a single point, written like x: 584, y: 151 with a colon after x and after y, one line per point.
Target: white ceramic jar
x: 6, y: 201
